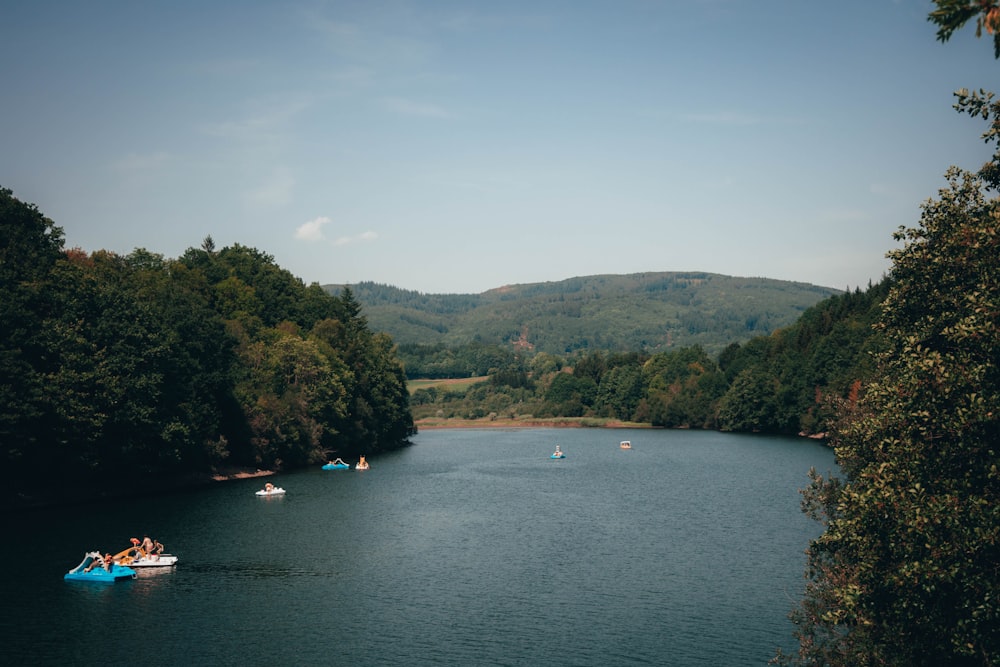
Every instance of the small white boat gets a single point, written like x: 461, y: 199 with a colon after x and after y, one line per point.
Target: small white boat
x: 136, y: 556
x: 271, y: 490
x: 149, y: 560
x: 155, y: 560
x: 625, y: 444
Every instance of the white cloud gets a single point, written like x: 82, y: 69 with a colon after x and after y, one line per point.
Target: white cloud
x: 312, y: 230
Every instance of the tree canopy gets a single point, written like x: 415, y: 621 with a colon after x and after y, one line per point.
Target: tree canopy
x: 906, y: 571
x: 952, y: 15
x: 128, y: 369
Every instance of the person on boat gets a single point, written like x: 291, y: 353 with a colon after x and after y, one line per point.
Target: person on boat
x: 269, y: 487
x: 97, y: 562
x: 147, y: 544
x: 157, y: 547
x: 136, y: 552
x: 108, y: 563
x: 362, y: 463
x: 558, y: 451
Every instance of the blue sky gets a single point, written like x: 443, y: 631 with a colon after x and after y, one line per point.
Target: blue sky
x: 454, y: 147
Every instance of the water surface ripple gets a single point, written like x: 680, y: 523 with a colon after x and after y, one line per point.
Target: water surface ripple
x: 472, y: 547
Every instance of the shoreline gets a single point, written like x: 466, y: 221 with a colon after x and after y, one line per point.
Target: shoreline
x: 235, y: 473
x: 75, y: 496
x: 432, y: 423
x: 71, y: 496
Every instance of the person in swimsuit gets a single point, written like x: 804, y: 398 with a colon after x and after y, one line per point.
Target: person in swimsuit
x: 98, y: 561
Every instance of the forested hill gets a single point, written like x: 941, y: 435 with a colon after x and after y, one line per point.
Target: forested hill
x: 642, y: 311
x: 125, y: 372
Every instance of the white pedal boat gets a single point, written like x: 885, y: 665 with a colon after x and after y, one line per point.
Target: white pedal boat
x: 135, y: 557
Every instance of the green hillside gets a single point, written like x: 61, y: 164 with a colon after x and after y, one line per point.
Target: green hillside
x: 652, y: 312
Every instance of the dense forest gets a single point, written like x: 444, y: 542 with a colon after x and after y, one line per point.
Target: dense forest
x: 790, y: 381
x: 649, y: 312
x: 144, y: 369
x: 141, y: 368
x: 905, y: 573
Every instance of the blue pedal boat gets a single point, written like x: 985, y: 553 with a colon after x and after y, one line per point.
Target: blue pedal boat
x: 91, y: 568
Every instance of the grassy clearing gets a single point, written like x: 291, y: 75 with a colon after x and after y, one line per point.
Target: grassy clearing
x: 447, y: 384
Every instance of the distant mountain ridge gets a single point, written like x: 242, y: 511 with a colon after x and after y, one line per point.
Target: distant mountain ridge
x: 650, y: 312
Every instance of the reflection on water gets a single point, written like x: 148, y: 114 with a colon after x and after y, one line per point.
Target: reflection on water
x: 154, y: 572
x: 464, y: 549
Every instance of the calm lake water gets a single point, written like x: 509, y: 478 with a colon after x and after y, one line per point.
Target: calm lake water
x: 472, y: 547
